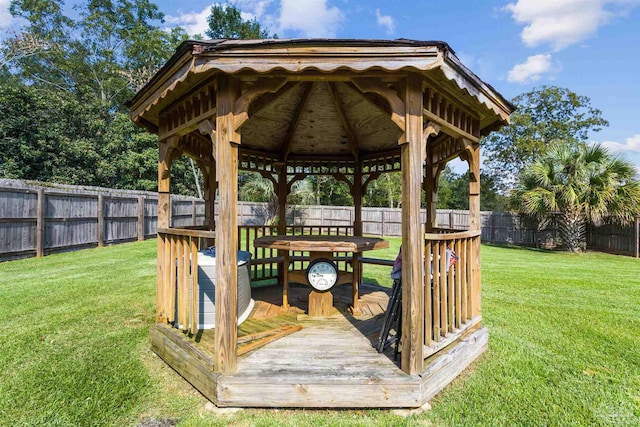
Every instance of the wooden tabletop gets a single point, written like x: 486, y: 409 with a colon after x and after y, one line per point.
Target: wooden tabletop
x: 321, y: 243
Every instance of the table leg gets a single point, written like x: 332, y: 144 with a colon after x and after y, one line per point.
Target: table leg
x: 355, y: 283
x: 285, y: 281
x: 321, y: 304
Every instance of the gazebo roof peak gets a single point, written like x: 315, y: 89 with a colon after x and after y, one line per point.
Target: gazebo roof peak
x: 320, y: 97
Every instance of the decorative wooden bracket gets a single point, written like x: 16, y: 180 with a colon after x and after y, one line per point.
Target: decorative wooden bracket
x: 430, y: 129
x: 398, y: 108
x: 206, y: 127
x: 241, y: 106
x: 168, y: 151
x: 372, y: 176
x: 296, y: 177
x: 270, y: 177
x: 343, y: 178
x: 471, y: 155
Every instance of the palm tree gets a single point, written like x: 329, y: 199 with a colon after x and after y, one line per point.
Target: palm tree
x: 579, y: 185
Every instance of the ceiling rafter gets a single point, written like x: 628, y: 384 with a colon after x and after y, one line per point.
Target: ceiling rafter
x: 288, y: 139
x: 354, y: 145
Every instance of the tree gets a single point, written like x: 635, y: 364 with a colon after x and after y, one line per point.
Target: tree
x: 225, y: 22
x: 385, y: 191
x: 578, y: 184
x: 544, y: 116
x: 62, y: 96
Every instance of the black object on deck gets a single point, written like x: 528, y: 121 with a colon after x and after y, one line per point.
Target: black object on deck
x: 392, y: 319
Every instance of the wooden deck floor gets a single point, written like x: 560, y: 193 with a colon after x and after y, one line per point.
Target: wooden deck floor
x: 268, y: 314
x: 330, y: 362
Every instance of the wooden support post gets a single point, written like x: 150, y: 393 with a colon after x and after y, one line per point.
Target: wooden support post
x: 209, y: 178
x: 474, y: 224
x: 226, y: 331
x: 357, y: 199
x: 356, y: 192
x: 40, y: 214
x: 412, y: 238
x: 283, y: 192
x: 164, y: 287
x: 164, y: 184
x: 140, y: 218
x: 430, y: 187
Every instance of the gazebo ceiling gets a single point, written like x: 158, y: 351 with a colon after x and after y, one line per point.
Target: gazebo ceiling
x: 312, y: 98
x: 323, y: 119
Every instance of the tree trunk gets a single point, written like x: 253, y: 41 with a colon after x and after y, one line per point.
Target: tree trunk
x: 572, y: 229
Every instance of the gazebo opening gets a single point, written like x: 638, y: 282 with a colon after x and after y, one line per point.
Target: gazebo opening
x: 289, y: 109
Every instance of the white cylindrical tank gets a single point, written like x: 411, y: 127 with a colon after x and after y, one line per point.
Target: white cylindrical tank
x: 207, y: 287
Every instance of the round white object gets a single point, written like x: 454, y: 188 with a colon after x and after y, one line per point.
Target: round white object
x: 322, y: 274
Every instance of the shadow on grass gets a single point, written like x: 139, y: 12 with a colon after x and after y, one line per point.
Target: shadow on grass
x: 521, y: 248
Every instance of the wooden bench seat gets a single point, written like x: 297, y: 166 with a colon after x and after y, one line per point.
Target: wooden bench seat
x: 377, y: 261
x: 271, y: 260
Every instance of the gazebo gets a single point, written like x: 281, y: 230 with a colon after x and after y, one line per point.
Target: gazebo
x: 287, y: 109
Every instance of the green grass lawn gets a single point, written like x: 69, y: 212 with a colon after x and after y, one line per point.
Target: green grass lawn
x: 564, y: 346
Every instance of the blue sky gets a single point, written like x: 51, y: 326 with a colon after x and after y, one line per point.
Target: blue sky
x: 589, y: 46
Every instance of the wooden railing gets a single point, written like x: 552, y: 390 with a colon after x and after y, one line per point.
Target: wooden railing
x: 264, y: 261
x: 450, y: 294
x: 300, y: 260
x: 177, y: 282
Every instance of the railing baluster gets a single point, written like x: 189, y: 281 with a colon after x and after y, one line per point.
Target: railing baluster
x: 435, y: 262
x: 194, y: 286
x: 450, y: 294
x: 172, y: 279
x: 428, y: 326
x: 464, y: 258
x: 443, y: 289
x: 185, y: 282
x: 458, y: 282
x: 180, y: 289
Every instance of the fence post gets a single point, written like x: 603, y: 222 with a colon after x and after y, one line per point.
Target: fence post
x: 451, y: 219
x: 100, y: 220
x: 382, y: 224
x: 193, y: 212
x: 140, y: 218
x: 492, y: 216
x: 637, y: 237
x: 40, y: 223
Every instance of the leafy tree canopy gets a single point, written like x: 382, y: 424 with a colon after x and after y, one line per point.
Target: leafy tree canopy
x: 579, y: 185
x: 62, y: 93
x: 225, y: 22
x: 545, y: 115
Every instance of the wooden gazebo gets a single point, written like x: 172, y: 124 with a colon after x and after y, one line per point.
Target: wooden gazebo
x: 286, y: 109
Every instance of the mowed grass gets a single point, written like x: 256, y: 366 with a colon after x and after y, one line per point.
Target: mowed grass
x: 564, y: 346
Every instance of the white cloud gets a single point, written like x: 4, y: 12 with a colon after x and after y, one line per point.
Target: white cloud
x: 256, y: 8
x: 386, y: 21
x: 5, y: 17
x: 630, y: 145
x: 192, y: 22
x: 562, y: 23
x: 532, y: 69
x: 310, y: 18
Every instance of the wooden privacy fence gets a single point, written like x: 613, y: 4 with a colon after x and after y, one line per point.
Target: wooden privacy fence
x: 38, y: 220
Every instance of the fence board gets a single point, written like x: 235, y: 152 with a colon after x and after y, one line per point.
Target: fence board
x: 71, y: 218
